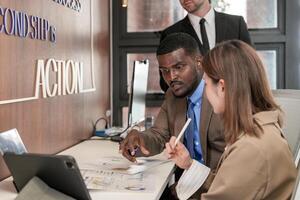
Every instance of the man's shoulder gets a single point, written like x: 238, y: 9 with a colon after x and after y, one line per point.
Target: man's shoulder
x: 231, y: 27
x: 175, y: 28
x: 226, y: 16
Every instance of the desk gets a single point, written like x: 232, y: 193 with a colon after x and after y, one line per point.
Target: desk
x: 92, y: 149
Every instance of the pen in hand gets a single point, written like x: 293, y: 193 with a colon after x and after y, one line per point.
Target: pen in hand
x: 180, y: 156
x: 182, y: 130
x: 132, y: 153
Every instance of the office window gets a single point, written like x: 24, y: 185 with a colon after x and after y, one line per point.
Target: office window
x: 136, y: 36
x: 269, y: 61
x: 154, y: 15
x: 258, y: 14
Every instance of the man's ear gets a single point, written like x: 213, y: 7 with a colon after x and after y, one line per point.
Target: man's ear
x: 199, y: 62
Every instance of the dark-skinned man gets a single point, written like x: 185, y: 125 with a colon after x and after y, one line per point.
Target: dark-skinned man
x: 179, y: 61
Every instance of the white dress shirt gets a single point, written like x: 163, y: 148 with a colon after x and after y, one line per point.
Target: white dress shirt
x: 210, y: 26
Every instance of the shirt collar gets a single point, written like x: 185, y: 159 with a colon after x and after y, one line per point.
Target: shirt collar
x: 198, y: 93
x: 267, y: 117
x: 209, y: 17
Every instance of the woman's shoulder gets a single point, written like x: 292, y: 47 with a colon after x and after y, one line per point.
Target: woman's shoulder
x: 268, y: 146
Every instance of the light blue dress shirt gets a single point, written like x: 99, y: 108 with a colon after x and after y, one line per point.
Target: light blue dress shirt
x: 196, y: 98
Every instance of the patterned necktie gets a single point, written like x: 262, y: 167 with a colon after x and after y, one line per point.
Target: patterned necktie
x: 189, y: 133
x: 205, y: 43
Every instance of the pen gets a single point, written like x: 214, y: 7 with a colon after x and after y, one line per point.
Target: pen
x: 132, y: 153
x: 137, y: 122
x: 182, y: 130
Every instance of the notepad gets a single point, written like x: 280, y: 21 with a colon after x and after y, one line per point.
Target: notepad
x: 191, y: 180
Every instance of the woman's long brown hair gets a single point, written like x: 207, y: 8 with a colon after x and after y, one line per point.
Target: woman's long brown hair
x: 246, y: 86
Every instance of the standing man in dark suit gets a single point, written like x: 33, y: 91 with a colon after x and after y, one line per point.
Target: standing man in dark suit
x: 207, y: 26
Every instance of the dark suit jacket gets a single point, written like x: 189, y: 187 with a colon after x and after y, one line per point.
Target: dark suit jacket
x: 227, y: 27
x: 171, y: 119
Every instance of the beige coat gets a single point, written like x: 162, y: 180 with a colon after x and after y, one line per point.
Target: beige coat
x: 256, y: 168
x: 172, y: 117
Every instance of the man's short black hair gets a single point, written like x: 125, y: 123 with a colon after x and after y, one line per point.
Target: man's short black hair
x: 176, y: 41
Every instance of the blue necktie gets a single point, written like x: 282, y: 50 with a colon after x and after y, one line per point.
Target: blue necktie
x: 189, y: 134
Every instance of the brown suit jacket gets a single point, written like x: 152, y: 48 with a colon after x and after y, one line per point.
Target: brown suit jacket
x: 172, y: 117
x: 256, y: 168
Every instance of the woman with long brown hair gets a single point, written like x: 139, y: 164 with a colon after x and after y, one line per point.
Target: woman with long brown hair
x: 257, y: 162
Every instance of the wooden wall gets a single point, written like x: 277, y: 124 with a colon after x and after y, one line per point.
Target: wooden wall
x: 49, y: 125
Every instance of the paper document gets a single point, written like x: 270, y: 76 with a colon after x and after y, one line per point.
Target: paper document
x: 10, y: 141
x: 191, y: 180
x: 114, y: 181
x: 117, y: 174
x: 122, y: 165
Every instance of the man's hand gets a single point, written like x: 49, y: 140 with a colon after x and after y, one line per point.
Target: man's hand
x: 131, y: 144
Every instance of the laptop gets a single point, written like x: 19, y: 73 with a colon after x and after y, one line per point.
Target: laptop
x: 60, y: 172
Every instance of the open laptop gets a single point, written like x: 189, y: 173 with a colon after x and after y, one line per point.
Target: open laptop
x: 60, y: 172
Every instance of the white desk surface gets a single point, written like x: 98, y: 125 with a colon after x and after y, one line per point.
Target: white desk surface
x: 92, y: 149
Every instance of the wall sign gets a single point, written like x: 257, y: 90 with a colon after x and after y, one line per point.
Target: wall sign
x: 19, y: 24
x: 53, y: 77
x: 73, y: 4
x: 69, y: 80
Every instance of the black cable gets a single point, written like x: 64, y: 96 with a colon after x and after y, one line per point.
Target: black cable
x: 99, y: 119
x: 116, y: 137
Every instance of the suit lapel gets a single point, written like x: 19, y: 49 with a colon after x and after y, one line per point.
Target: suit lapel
x: 180, y: 118
x: 188, y: 28
x: 220, y: 27
x: 206, y: 113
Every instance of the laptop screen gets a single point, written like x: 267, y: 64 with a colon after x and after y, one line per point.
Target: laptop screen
x: 137, y: 97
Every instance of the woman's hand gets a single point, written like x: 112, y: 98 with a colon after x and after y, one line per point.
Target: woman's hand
x: 179, y: 154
